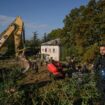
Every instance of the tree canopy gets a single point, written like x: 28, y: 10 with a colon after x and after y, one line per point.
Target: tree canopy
x: 83, y: 28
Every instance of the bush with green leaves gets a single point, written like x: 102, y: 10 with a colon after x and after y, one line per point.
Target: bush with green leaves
x: 80, y: 89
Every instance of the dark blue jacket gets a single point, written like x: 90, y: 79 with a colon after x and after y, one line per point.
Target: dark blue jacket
x: 100, y: 63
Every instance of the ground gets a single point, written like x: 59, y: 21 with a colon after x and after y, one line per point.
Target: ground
x: 30, y: 76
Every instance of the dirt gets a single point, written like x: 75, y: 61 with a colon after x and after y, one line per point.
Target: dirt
x: 32, y: 77
x: 8, y: 64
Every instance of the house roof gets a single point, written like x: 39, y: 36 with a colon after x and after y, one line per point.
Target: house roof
x: 52, y: 42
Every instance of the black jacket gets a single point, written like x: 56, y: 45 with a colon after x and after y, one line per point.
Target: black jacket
x: 100, y: 63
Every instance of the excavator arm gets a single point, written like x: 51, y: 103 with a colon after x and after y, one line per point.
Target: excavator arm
x: 19, y: 35
x: 16, y: 29
x: 6, y: 34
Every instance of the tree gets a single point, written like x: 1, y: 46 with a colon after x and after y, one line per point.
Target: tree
x: 56, y: 33
x: 85, y: 26
x: 45, y: 38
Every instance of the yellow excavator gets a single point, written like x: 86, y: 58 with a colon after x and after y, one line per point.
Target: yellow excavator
x: 16, y: 29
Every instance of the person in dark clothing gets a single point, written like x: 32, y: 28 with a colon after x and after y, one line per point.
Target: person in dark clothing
x: 99, y: 68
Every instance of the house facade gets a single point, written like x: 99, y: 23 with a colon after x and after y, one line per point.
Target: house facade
x: 51, y: 49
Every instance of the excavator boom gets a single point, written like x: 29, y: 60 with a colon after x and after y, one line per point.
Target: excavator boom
x: 16, y: 29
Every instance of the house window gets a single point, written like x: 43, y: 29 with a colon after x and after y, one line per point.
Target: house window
x: 53, y: 50
x: 45, y: 49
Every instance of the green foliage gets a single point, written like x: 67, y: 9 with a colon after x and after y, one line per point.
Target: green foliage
x: 54, y: 34
x: 90, y: 53
x: 8, y: 88
x: 62, y: 92
x: 34, y: 42
x: 83, y: 27
x: 74, y: 89
x: 45, y: 38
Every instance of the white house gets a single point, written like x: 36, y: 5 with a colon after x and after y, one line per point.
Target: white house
x: 51, y: 49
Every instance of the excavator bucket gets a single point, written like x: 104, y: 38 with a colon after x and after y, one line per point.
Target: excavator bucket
x: 24, y: 63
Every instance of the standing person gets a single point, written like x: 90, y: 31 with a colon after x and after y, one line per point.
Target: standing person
x: 99, y: 68
x: 47, y: 59
x: 73, y: 64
